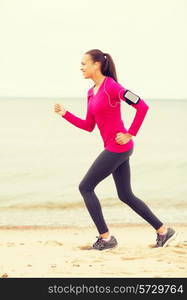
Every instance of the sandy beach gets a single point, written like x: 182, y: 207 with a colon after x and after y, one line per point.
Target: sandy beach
x: 30, y: 251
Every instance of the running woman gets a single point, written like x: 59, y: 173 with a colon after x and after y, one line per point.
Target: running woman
x: 104, y: 109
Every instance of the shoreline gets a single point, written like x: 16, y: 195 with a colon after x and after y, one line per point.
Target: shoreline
x: 47, y: 227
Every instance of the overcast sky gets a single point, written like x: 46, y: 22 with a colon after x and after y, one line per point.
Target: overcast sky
x: 42, y: 43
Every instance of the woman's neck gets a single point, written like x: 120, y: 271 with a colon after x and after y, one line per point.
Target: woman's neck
x: 98, y: 80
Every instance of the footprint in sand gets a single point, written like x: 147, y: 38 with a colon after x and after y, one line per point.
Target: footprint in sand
x: 5, y: 275
x: 160, y: 260
x: 53, y: 243
x: 132, y: 258
x: 182, y: 244
x: 10, y: 244
x: 151, y: 246
x: 86, y: 247
x: 179, y: 251
x: 97, y: 260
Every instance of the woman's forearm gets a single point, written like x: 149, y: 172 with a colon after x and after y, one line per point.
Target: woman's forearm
x: 141, y: 110
x: 87, y: 124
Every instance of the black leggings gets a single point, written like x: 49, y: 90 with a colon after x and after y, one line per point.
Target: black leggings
x: 116, y: 164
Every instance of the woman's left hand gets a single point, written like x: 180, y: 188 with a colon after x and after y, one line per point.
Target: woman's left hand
x: 123, y: 138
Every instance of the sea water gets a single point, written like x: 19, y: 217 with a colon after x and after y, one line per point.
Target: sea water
x: 44, y: 158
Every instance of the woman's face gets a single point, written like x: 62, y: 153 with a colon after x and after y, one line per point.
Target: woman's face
x: 88, y: 66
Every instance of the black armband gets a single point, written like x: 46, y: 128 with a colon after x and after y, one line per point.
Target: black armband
x: 131, y: 98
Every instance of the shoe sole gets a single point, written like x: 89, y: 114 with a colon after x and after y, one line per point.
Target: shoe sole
x: 108, y: 248
x: 91, y: 248
x: 169, y: 240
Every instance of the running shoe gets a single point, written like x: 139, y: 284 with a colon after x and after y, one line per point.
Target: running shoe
x: 164, y: 239
x: 101, y: 244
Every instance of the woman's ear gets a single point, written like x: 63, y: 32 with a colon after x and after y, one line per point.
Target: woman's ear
x: 97, y: 65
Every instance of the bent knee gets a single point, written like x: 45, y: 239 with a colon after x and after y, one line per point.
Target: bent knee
x: 82, y: 186
x: 85, y: 186
x: 126, y: 198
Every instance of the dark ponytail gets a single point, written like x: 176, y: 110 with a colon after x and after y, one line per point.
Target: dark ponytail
x: 107, y: 65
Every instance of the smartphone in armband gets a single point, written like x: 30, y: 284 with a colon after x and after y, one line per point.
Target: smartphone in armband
x: 131, y: 98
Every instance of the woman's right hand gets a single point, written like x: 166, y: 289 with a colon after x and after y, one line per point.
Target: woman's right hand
x: 59, y: 109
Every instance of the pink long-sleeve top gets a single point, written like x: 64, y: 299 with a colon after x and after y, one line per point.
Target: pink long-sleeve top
x: 104, y: 109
